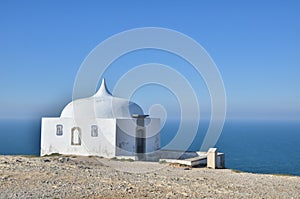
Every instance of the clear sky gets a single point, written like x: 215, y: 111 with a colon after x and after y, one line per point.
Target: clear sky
x: 255, y: 44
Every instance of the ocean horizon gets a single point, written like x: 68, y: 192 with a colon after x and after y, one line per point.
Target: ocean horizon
x: 268, y: 147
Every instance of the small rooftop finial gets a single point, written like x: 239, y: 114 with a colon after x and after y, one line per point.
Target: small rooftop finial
x: 103, y: 91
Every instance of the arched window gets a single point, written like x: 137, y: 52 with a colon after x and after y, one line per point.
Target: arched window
x: 94, y: 131
x: 75, y: 136
x: 59, y: 129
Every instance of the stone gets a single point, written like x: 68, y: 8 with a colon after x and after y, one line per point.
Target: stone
x: 61, y: 160
x: 212, y: 158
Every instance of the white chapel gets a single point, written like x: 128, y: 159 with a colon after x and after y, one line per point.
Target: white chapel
x: 101, y: 125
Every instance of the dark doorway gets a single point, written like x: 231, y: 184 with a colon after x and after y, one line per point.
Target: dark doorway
x: 140, y: 137
x: 140, y: 141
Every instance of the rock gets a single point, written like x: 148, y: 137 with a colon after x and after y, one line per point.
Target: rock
x: 82, y: 178
x: 61, y: 160
x: 4, y: 177
x: 185, y: 194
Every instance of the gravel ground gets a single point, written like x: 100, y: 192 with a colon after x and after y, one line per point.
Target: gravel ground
x: 91, y: 177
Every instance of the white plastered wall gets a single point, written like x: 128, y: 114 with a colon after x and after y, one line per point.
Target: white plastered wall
x: 125, y: 139
x: 103, y: 145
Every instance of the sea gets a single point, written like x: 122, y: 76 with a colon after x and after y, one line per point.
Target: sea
x: 269, y: 147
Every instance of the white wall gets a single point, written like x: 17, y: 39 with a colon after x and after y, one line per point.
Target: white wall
x: 125, y: 140
x: 116, y: 137
x: 103, y: 145
x: 153, y: 128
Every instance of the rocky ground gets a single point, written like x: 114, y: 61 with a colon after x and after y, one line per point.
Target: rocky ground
x: 90, y: 177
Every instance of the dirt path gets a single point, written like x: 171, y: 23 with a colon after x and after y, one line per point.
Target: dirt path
x: 84, y: 177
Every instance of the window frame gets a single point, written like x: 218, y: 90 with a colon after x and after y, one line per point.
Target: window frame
x: 79, y: 136
x: 94, y: 130
x: 59, y: 129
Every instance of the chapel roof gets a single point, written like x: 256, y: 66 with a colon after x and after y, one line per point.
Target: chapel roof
x: 101, y: 105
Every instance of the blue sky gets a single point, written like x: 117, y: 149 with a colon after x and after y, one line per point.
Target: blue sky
x: 255, y: 45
